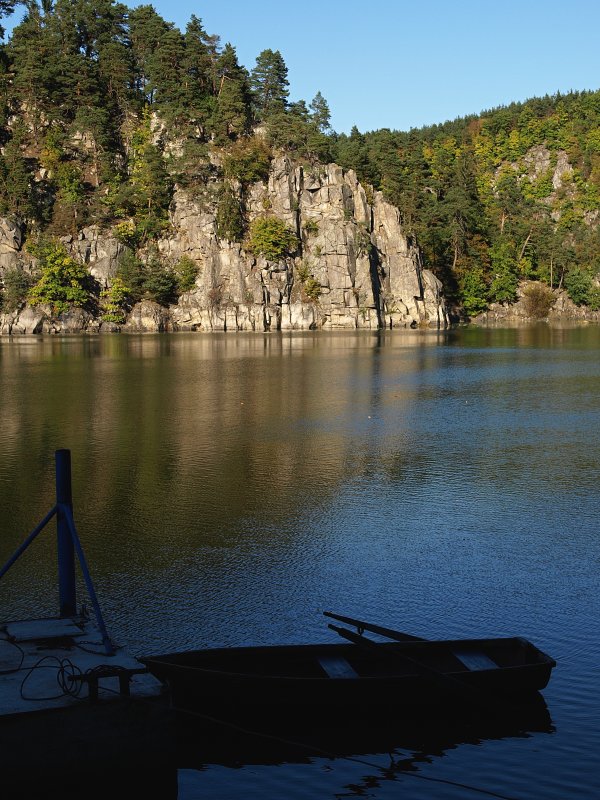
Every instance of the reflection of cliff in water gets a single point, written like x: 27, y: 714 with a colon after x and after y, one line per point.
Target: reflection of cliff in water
x: 189, y: 441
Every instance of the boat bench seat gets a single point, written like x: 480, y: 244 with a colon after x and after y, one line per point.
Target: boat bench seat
x: 337, y: 667
x: 474, y: 659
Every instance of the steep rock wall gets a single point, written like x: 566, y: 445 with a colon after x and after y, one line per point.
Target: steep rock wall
x: 368, y: 273
x: 364, y: 271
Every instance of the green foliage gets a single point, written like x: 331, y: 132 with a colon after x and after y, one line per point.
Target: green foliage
x: 270, y: 237
x: 154, y: 280
x: 232, y: 113
x: 269, y: 83
x: 127, y: 233
x: 114, y: 302
x: 320, y: 112
x: 131, y: 273
x: 311, y: 287
x: 579, y: 285
x: 160, y: 283
x: 186, y: 272
x: 63, y: 282
x: 230, y: 216
x: 17, y: 284
x: 191, y: 168
x: 474, y: 292
x: 66, y: 182
x: 503, y: 287
x: 16, y: 190
x: 247, y: 160
x: 479, y: 178
x: 539, y: 299
x: 295, y: 130
x: 593, y: 299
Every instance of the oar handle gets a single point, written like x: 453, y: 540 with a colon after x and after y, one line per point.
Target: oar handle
x: 360, y: 625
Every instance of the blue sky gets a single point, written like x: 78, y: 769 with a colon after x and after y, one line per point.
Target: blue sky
x: 401, y: 64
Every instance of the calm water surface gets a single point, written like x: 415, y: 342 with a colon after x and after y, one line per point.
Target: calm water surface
x: 230, y: 488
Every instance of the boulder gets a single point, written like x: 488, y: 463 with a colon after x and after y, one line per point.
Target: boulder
x: 148, y: 317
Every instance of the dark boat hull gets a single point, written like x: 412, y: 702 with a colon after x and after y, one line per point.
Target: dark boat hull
x: 335, y: 679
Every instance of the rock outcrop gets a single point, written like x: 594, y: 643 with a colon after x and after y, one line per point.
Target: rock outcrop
x: 368, y: 273
x: 353, y: 267
x: 11, y: 237
x: 556, y: 308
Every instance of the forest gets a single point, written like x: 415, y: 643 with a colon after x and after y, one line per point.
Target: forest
x: 105, y: 109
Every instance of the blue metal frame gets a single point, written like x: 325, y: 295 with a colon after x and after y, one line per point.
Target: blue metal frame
x: 67, y: 544
x: 27, y: 542
x: 108, y: 645
x: 64, y: 544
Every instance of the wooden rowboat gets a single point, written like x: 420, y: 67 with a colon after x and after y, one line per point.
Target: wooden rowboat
x: 363, y: 677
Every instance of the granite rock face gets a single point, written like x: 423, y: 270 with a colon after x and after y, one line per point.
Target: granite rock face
x: 99, y: 250
x: 353, y: 266
x: 11, y: 237
x: 146, y: 317
x: 362, y: 270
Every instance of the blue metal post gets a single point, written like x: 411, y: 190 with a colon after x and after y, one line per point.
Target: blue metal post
x: 66, y: 552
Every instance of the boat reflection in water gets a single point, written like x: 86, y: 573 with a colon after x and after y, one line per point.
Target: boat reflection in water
x: 408, y: 699
x: 383, y: 750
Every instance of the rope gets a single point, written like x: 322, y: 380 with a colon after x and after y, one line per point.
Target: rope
x: 66, y: 669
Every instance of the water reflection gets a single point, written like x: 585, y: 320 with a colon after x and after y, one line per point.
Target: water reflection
x: 352, y: 761
x: 228, y: 488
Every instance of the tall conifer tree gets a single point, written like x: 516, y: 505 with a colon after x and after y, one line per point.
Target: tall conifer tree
x: 269, y: 83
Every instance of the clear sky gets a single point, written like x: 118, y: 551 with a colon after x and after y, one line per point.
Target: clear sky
x: 406, y: 63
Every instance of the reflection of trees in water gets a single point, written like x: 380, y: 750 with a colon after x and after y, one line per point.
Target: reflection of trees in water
x: 191, y: 426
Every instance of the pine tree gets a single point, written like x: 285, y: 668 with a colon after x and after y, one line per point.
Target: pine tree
x: 147, y: 29
x: 31, y: 52
x: 199, y: 62
x: 232, y: 116
x: 15, y: 178
x: 269, y: 83
x: 320, y: 113
x: 166, y: 74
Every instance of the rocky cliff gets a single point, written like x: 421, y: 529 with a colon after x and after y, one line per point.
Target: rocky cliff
x: 353, y: 266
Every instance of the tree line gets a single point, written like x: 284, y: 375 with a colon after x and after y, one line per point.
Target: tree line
x: 105, y: 109
x: 511, y: 194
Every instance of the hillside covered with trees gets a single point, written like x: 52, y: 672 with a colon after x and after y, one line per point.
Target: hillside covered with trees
x: 508, y: 195
x: 105, y: 111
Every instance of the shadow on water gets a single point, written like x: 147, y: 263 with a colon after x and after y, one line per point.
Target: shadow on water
x: 387, y: 749
x: 381, y: 751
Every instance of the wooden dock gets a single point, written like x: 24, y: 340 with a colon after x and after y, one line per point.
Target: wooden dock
x: 79, y: 715
x: 71, y: 714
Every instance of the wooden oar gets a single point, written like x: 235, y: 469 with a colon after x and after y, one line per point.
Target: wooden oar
x: 361, y: 626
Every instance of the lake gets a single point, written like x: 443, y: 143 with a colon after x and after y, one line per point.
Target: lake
x: 229, y: 488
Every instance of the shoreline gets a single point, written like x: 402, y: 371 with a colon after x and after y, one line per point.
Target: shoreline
x: 500, y: 324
